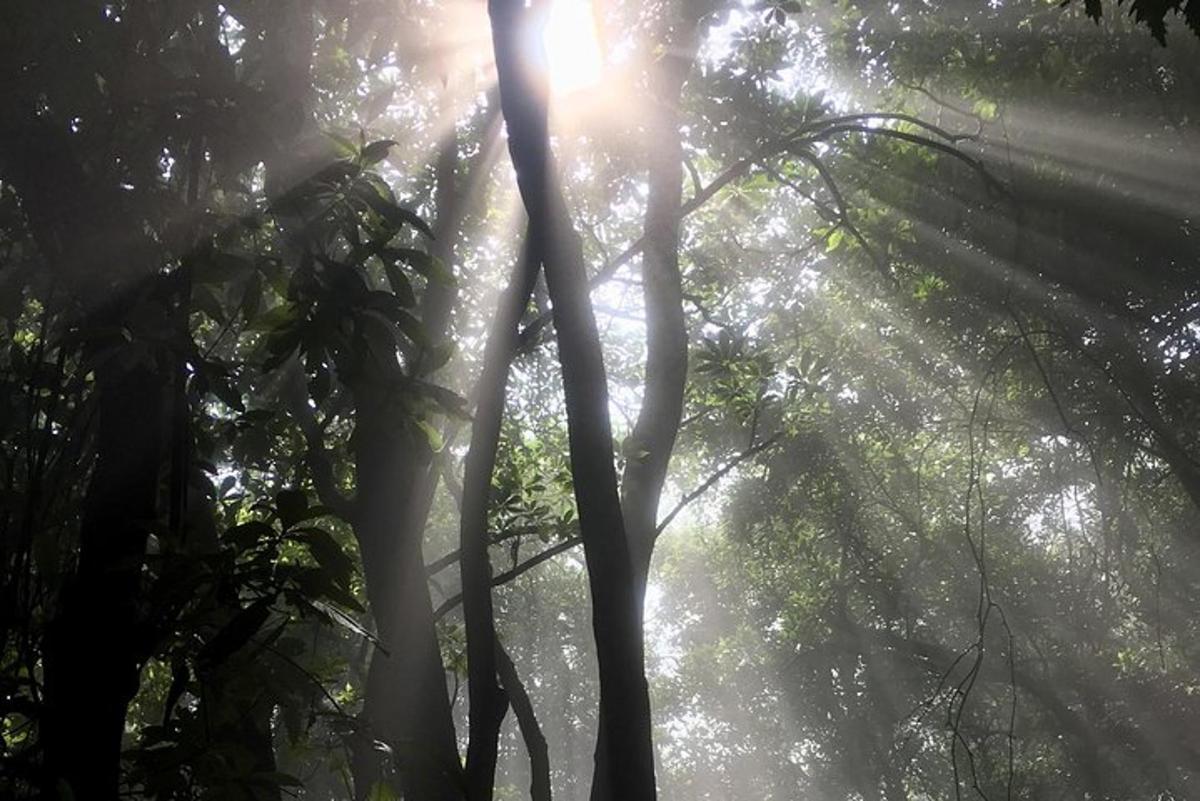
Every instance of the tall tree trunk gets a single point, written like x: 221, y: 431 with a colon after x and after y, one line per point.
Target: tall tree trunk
x: 616, y: 613
x: 94, y: 646
x: 488, y: 702
x: 93, y: 652
x: 406, y: 701
x: 648, y: 452
x: 407, y: 707
x: 653, y: 438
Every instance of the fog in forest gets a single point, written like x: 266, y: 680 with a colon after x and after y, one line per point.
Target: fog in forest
x: 702, y: 400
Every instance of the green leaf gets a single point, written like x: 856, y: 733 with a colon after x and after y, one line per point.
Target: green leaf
x: 400, y: 284
x: 432, y: 435
x: 224, y: 389
x: 382, y: 791
x: 835, y: 240
x: 344, y: 146
x: 236, y: 633
x: 292, y: 505
x: 399, y: 216
x: 246, y: 535
x: 377, y: 151
x: 274, y: 318
x: 411, y: 327
x: 425, y: 264
x: 316, y: 583
x: 328, y: 554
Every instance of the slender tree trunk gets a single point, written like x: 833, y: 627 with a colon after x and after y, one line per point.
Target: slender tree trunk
x: 488, y: 702
x: 531, y: 731
x: 616, y: 613
x: 649, y: 451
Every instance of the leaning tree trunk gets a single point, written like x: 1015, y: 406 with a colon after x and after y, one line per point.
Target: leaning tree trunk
x: 616, y: 613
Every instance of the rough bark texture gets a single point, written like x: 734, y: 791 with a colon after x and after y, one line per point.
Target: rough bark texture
x: 616, y: 613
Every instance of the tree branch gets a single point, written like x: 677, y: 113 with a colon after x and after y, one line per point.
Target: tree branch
x: 503, y: 578
x: 708, y: 483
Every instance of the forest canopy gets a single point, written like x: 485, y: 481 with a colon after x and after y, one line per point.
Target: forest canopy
x: 592, y: 399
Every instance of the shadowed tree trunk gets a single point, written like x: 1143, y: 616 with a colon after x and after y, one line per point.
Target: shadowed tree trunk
x: 93, y: 653
x: 94, y: 645
x: 406, y: 705
x: 648, y: 452
x: 531, y: 731
x: 488, y: 701
x: 616, y: 613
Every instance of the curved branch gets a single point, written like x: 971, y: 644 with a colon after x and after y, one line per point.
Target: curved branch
x: 531, y: 731
x: 708, y: 483
x: 448, y: 605
x: 916, y: 139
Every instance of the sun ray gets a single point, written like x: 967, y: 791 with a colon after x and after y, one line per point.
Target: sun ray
x: 576, y: 59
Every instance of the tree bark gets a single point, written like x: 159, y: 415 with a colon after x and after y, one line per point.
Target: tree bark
x: 94, y: 645
x: 616, y: 613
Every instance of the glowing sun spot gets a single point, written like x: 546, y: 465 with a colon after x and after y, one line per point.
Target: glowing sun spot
x: 573, y: 47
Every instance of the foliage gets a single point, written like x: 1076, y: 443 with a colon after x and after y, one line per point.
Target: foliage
x: 929, y: 528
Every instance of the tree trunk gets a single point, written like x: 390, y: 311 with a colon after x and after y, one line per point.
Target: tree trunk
x: 93, y: 646
x: 616, y: 613
x: 531, y: 732
x: 648, y: 453
x: 392, y: 515
x: 488, y: 702
x: 407, y: 707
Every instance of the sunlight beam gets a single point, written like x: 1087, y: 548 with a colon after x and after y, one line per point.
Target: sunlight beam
x: 573, y: 47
